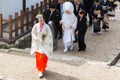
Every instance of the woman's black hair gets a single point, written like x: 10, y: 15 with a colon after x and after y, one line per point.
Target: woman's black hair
x: 81, y: 11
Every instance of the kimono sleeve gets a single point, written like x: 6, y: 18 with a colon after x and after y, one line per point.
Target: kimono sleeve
x: 49, y: 42
x: 34, y: 38
x: 74, y: 25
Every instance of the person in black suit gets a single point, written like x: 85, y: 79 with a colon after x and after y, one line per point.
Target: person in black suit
x: 81, y: 30
x: 97, y: 15
x: 88, y: 4
x: 60, y: 8
x: 77, y: 4
x: 53, y: 15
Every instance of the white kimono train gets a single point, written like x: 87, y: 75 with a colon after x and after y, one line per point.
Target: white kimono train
x: 38, y: 45
x: 68, y: 20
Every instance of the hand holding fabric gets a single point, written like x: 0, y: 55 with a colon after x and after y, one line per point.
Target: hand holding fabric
x: 76, y: 32
x: 70, y: 27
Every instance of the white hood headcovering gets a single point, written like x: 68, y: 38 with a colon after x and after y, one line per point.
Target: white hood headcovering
x: 68, y: 6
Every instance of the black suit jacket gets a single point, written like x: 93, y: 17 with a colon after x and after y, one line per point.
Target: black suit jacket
x: 88, y: 4
x: 58, y: 8
x: 81, y: 6
x: 81, y: 25
x: 55, y: 17
x: 99, y: 7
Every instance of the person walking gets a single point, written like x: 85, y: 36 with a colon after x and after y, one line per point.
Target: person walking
x: 53, y: 15
x: 60, y: 8
x: 69, y: 23
x: 97, y: 16
x: 88, y: 4
x: 81, y: 30
x: 41, y: 44
x: 77, y: 4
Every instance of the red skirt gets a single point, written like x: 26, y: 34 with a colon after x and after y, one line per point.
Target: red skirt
x: 41, y: 61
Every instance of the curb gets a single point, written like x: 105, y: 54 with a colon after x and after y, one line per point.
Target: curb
x: 64, y: 58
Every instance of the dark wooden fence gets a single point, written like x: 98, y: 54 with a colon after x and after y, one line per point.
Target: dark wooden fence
x: 14, y: 28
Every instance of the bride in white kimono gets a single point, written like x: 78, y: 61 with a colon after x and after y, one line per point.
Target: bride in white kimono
x: 42, y: 44
x: 69, y: 23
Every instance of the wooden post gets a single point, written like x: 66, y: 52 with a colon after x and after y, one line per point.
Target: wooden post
x: 37, y: 9
x: 45, y: 4
x: 16, y: 24
x: 10, y: 27
x: 1, y: 29
x: 36, y: 12
x: 41, y: 7
x: 24, y: 5
x: 22, y: 21
x: 27, y: 18
x: 32, y: 15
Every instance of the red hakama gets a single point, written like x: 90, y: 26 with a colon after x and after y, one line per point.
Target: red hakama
x: 41, y: 61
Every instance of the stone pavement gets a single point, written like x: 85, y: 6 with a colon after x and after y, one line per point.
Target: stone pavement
x: 15, y: 65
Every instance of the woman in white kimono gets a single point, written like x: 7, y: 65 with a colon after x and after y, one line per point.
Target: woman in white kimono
x: 42, y: 44
x: 69, y: 22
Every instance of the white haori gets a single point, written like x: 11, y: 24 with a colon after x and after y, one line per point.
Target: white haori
x: 38, y: 45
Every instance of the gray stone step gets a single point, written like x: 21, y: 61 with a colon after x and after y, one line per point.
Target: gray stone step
x: 4, y: 78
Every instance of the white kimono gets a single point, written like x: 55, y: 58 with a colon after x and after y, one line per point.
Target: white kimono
x: 67, y: 21
x: 38, y: 45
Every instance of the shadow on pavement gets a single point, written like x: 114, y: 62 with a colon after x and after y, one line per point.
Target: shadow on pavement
x: 49, y: 75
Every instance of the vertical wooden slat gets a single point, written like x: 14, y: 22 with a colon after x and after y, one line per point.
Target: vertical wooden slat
x: 32, y: 15
x: 16, y: 24
x: 24, y: 5
x: 27, y: 18
x: 37, y: 9
x: 1, y: 29
x: 10, y: 27
x: 22, y: 21
x: 45, y: 4
x: 41, y: 7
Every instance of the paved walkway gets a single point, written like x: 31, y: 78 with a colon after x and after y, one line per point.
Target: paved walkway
x: 20, y: 67
x: 14, y: 66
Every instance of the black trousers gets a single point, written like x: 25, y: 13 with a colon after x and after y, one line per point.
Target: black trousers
x: 60, y: 34
x: 81, y: 41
